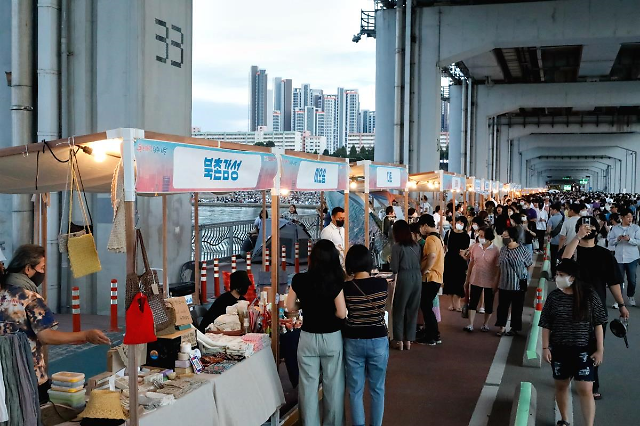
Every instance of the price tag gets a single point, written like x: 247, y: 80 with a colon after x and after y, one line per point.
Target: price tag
x: 155, y: 289
x: 189, y: 299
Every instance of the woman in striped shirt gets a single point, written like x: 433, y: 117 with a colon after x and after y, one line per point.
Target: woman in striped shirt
x: 366, y: 344
x: 514, y: 261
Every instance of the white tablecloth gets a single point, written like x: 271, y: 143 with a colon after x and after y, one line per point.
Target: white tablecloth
x: 245, y: 395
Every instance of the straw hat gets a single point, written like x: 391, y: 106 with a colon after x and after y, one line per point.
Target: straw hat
x: 103, y: 404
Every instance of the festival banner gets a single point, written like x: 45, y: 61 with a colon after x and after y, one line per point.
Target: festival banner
x: 487, y: 186
x: 168, y: 167
x: 387, y: 177
x: 300, y: 174
x: 452, y: 183
x: 477, y: 185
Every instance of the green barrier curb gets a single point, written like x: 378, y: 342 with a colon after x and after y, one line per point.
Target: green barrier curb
x: 546, y: 266
x: 532, y: 350
x: 524, y: 411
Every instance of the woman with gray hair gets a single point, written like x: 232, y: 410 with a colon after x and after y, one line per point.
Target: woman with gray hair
x: 26, y: 269
x: 23, y: 309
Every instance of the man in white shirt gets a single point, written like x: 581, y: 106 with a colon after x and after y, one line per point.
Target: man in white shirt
x: 425, y: 207
x: 334, y: 232
x: 542, y: 216
x: 625, y: 237
x: 568, y: 231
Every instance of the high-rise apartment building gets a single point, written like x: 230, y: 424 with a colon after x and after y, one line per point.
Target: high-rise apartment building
x: 286, y: 102
x: 352, y: 110
x: 331, y: 121
x: 297, y: 99
x: 310, y: 119
x: 277, y: 94
x: 320, y: 122
x: 307, y: 95
x: 341, y: 118
x: 298, y: 120
x: 277, y: 122
x: 258, y: 98
x: 318, y: 98
x: 367, y: 121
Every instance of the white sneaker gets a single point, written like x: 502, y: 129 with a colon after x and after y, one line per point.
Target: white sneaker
x: 632, y: 301
x: 481, y: 311
x: 615, y: 305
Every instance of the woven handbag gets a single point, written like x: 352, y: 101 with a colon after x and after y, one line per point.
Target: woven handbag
x: 147, y: 283
x: 81, y: 247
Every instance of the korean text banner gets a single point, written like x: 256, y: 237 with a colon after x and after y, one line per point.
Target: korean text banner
x: 487, y: 186
x: 477, y: 185
x: 451, y: 183
x: 300, y: 174
x: 387, y: 177
x: 167, y: 167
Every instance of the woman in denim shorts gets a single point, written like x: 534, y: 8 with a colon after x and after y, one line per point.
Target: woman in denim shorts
x: 572, y: 338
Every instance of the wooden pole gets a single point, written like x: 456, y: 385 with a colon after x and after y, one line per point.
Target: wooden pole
x: 366, y: 219
x: 264, y: 231
x: 132, y: 364
x: 196, y: 257
x: 443, y: 213
x: 346, y: 222
x: 165, y: 263
x: 406, y: 205
x: 275, y: 279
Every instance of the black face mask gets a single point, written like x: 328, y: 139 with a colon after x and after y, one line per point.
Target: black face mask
x: 339, y: 223
x: 590, y: 236
x: 506, y: 241
x: 37, y: 278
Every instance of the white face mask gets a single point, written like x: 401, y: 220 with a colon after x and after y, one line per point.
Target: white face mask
x: 459, y: 226
x: 481, y: 240
x: 584, y: 213
x: 475, y: 227
x: 563, y: 282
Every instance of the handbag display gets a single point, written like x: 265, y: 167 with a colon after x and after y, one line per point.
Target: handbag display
x: 81, y: 246
x: 147, y: 284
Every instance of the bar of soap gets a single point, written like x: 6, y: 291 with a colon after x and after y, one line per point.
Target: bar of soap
x: 183, y: 357
x: 181, y: 371
x: 183, y: 364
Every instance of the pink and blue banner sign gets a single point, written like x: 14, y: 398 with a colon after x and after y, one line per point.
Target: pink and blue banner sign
x: 168, y: 167
x: 301, y: 174
x: 452, y: 183
x: 387, y: 177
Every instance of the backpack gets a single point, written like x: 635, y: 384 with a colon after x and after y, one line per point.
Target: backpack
x: 555, y: 231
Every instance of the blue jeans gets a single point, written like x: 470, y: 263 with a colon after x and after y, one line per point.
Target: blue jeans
x: 630, y: 269
x: 366, y: 358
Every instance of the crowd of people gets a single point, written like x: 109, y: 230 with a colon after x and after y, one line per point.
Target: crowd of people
x: 473, y: 256
x: 255, y: 197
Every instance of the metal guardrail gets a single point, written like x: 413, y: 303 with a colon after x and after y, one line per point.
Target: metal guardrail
x: 223, y: 240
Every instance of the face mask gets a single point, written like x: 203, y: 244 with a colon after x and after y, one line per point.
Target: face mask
x: 590, y: 236
x: 563, y: 282
x: 481, y: 240
x: 459, y: 226
x: 339, y: 223
x: 522, y: 203
x: 475, y: 227
x: 37, y: 278
x: 584, y: 213
x: 506, y: 241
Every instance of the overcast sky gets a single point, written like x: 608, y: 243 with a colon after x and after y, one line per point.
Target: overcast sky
x: 305, y: 40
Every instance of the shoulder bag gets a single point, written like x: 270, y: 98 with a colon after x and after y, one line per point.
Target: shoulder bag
x: 81, y: 247
x: 147, y: 284
x: 381, y: 316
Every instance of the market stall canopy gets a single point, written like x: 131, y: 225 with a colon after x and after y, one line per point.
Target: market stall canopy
x: 368, y: 176
x: 43, y: 167
x: 311, y: 172
x: 427, y: 181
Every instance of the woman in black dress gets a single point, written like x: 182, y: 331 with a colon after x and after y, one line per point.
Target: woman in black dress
x: 455, y: 262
